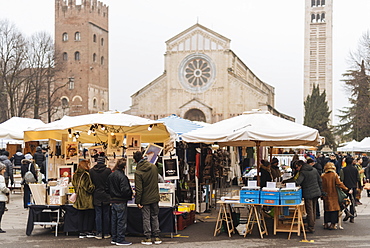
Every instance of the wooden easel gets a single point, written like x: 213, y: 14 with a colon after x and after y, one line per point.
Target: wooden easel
x: 224, y: 214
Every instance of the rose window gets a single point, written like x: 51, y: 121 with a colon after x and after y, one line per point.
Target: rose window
x: 197, y: 72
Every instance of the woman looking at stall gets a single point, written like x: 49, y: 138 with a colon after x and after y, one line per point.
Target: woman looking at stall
x: 84, y: 189
x: 330, y: 182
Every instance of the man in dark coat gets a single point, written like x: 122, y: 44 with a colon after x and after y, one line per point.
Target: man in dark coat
x: 4, y: 158
x: 351, y: 178
x: 101, y: 198
x: 147, y: 197
x: 39, y: 158
x: 311, y: 184
x: 120, y: 192
x: 17, y: 158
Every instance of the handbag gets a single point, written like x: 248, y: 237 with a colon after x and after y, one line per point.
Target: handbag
x: 28, y: 177
x: 367, y: 186
x: 73, y: 197
x: 341, y: 195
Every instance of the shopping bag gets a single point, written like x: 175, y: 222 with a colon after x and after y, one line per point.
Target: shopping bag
x: 367, y: 186
x: 73, y: 198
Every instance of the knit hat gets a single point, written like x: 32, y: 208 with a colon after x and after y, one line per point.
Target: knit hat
x: 2, y: 166
x: 101, y: 158
x: 28, y: 156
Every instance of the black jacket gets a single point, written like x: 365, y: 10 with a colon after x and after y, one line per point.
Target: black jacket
x: 26, y: 165
x: 17, y: 158
x: 99, y: 177
x: 39, y: 158
x: 310, y: 181
x: 119, y: 187
x: 350, y: 177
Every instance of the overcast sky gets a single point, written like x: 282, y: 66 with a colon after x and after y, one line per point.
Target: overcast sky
x: 268, y: 35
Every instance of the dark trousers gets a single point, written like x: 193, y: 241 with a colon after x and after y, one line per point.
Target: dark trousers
x: 150, y: 219
x: 102, y: 220
x: 26, y: 195
x: 2, y: 210
x: 353, y: 201
x: 310, y: 205
x: 86, y: 220
x: 331, y: 217
x: 119, y: 222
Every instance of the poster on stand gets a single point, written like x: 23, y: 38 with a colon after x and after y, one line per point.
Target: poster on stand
x: 152, y: 153
x: 71, y: 155
x: 133, y: 144
x: 171, y: 168
x: 130, y: 167
x: 65, y: 171
x: 115, y: 143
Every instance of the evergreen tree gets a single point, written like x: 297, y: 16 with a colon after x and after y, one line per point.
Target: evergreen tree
x: 355, y: 120
x: 317, y: 114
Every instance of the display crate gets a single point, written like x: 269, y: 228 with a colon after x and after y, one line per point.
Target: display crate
x: 270, y: 198
x: 291, y: 197
x: 249, y: 196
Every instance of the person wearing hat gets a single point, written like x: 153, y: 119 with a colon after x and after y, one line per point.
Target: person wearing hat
x: 275, y: 170
x: 27, y: 165
x: 330, y: 182
x: 4, y: 192
x: 39, y: 158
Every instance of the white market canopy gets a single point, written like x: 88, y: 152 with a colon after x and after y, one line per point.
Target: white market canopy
x: 14, y: 127
x: 255, y: 128
x: 351, y: 146
x: 102, y: 123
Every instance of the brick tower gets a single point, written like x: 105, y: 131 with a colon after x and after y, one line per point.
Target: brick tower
x: 81, y: 43
x: 318, y: 48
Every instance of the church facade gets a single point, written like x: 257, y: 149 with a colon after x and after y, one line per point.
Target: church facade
x: 203, y: 80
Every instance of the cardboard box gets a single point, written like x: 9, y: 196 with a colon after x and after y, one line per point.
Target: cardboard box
x: 57, y: 200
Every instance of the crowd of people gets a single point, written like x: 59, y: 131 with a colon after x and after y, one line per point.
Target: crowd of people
x: 102, y: 193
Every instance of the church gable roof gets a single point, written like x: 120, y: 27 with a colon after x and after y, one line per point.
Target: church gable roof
x: 197, y: 38
x: 196, y: 102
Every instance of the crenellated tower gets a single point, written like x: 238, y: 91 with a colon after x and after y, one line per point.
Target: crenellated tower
x: 81, y: 42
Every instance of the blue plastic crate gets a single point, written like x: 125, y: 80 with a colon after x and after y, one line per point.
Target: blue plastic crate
x: 290, y: 201
x: 270, y: 198
x: 249, y: 196
x: 291, y: 197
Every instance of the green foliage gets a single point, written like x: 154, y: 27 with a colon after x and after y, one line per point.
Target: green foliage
x: 317, y: 114
x: 355, y: 120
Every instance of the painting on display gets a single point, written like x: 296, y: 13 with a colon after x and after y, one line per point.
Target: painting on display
x: 170, y: 168
x: 166, y: 199
x: 65, y: 171
x: 152, y: 153
x: 130, y: 167
x: 71, y: 155
x: 133, y: 144
x: 94, y: 153
x: 115, y: 143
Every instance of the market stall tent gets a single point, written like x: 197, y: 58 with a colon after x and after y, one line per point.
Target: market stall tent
x: 351, y: 146
x: 15, y: 126
x: 93, y: 128
x: 180, y: 125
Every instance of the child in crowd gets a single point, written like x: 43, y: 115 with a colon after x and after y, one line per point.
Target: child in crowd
x: 4, y: 192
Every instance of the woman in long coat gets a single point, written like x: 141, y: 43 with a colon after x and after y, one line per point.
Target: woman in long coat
x: 84, y: 202
x: 330, y: 180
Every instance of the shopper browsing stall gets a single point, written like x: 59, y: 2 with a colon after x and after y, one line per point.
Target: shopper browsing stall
x: 28, y: 165
x: 4, y: 192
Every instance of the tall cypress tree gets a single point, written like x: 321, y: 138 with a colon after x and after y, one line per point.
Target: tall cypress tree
x: 317, y: 114
x: 355, y: 120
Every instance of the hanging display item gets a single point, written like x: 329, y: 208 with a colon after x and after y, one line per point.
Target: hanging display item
x: 133, y: 143
x: 171, y: 168
x: 94, y: 153
x: 71, y: 150
x: 152, y: 153
x: 115, y: 143
x: 130, y: 167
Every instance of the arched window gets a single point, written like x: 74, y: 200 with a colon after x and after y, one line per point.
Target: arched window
x: 313, y: 18
x: 94, y: 38
x: 318, y: 18
x: 322, y: 2
x: 65, y: 56
x: 65, y: 37
x: 77, y: 36
x: 94, y: 102
x: 102, y: 41
x: 102, y: 60
x: 77, y: 55
x: 94, y: 57
x: 313, y: 3
x: 323, y: 17
x: 65, y: 102
x: 102, y: 106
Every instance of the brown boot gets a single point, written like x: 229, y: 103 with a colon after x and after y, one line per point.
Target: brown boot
x: 352, y: 220
x: 326, y: 226
x: 332, y: 226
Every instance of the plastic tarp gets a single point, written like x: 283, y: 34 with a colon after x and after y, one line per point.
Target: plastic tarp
x: 180, y: 125
x: 255, y: 128
x: 15, y: 126
x: 116, y: 122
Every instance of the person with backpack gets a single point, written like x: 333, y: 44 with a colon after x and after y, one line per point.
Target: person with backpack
x: 27, y: 165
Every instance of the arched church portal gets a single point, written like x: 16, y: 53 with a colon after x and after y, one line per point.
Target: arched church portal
x: 195, y: 115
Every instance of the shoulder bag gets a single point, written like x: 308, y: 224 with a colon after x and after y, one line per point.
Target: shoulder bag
x: 73, y: 197
x: 29, y: 177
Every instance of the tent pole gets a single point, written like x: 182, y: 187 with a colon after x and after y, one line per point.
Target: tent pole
x: 258, y: 143
x: 270, y: 153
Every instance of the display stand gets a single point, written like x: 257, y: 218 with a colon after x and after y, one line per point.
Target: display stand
x: 295, y: 224
x: 42, y: 215
x: 256, y: 216
x: 224, y: 215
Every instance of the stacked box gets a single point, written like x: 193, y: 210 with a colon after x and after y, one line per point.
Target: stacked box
x: 270, y: 198
x: 291, y: 197
x: 249, y: 196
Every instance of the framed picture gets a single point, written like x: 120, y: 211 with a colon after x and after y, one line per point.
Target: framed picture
x: 130, y: 167
x: 133, y: 141
x: 111, y: 162
x: 165, y: 199
x: 71, y: 155
x: 94, y: 153
x: 152, y: 153
x: 65, y: 171
x: 171, y: 168
x: 115, y: 143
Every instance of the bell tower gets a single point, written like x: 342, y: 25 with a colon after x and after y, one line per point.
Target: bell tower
x: 318, y: 55
x: 81, y: 44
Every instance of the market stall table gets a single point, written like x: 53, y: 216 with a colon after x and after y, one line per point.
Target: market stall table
x: 43, y: 215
